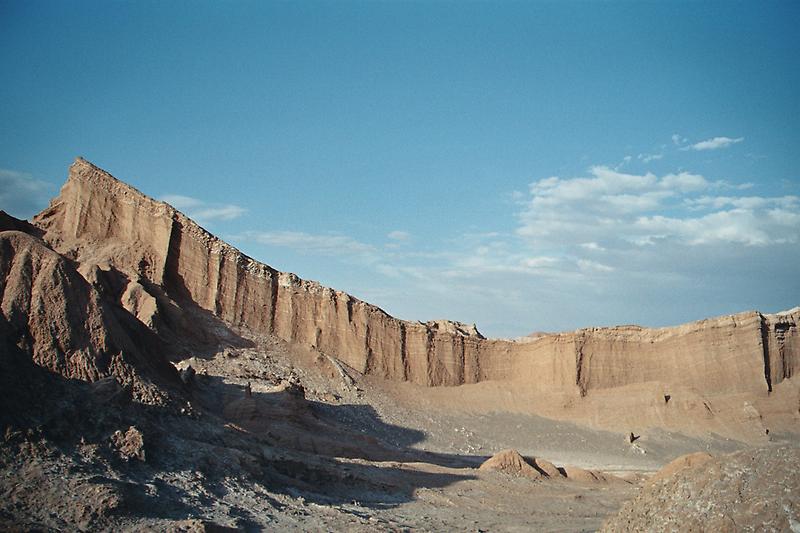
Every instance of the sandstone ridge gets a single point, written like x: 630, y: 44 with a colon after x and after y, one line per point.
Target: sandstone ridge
x: 67, y: 325
x: 100, y: 220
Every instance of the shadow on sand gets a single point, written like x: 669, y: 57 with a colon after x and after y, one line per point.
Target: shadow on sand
x: 332, y: 454
x: 326, y: 454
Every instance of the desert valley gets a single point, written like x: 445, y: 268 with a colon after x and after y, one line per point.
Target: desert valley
x: 153, y: 377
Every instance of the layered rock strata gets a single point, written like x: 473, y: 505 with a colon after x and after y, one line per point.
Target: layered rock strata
x: 97, y: 219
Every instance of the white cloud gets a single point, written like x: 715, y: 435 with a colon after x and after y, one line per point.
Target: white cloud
x: 678, y: 139
x: 466, y: 266
x: 222, y: 212
x: 323, y: 244
x: 715, y: 143
x: 578, y: 208
x: 736, y: 226
x: 598, y: 248
x: 613, y: 207
x: 625, y: 161
x: 626, y: 240
x: 539, y: 262
x: 684, y: 182
x: 201, y: 211
x: 586, y: 264
x: 646, y: 158
x: 179, y: 201
x: 742, y: 202
x: 398, y: 235
x: 21, y: 194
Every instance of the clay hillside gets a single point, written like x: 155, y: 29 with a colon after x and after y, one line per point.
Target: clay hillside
x: 154, y: 377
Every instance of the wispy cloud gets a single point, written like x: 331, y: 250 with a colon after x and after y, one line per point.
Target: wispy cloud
x: 678, y: 139
x: 575, y: 230
x: 23, y: 195
x: 646, y: 158
x: 323, y: 244
x: 714, y: 144
x: 202, y: 211
x: 610, y: 208
x: 594, y: 266
x: 742, y: 202
x: 592, y: 246
x: 613, y: 241
x: 398, y: 235
x: 747, y: 226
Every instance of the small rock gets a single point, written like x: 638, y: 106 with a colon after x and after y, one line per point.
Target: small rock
x: 129, y: 445
x: 108, y: 390
x: 294, y: 388
x: 187, y: 375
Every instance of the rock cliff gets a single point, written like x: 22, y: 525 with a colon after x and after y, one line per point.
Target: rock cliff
x: 66, y: 324
x: 98, y: 220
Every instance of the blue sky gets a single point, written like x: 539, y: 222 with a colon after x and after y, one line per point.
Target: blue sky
x: 532, y: 166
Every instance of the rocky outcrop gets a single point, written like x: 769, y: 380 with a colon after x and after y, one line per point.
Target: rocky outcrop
x: 781, y: 345
x: 130, y: 444
x: 692, y: 460
x: 100, y: 220
x: 510, y: 462
x: 754, y: 490
x: 50, y: 312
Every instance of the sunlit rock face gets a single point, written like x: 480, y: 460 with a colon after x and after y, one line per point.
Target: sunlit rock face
x: 167, y: 261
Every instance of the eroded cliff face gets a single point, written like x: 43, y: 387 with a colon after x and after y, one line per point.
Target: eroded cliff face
x: 100, y: 220
x: 65, y: 323
x: 781, y: 343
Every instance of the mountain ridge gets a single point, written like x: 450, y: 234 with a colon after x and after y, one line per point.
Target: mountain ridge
x: 99, y: 212
x: 169, y: 272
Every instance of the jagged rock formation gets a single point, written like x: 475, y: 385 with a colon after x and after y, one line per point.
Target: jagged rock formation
x: 66, y: 324
x: 98, y: 219
x: 724, y: 374
x: 754, y: 490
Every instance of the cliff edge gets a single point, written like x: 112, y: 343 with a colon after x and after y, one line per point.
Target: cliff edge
x: 99, y: 220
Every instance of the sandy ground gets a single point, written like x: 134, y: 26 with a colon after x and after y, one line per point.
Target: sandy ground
x: 314, y: 446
